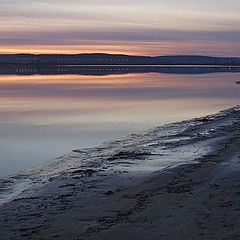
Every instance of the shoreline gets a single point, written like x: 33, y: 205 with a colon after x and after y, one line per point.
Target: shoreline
x: 103, y: 202
x: 192, y: 201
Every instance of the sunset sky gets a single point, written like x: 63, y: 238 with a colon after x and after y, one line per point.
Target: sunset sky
x: 143, y: 27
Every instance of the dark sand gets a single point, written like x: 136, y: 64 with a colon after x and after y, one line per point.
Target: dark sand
x: 191, y: 201
x: 200, y: 201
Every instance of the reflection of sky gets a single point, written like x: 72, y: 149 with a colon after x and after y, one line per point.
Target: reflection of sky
x: 45, y: 116
x: 137, y: 27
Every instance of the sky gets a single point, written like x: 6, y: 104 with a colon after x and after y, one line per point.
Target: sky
x: 138, y: 27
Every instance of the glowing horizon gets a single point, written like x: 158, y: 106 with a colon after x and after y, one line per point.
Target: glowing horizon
x: 127, y: 27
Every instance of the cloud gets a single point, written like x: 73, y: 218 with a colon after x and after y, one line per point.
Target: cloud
x: 72, y: 22
x: 155, y: 35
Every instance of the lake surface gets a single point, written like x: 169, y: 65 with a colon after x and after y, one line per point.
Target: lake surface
x: 44, y: 116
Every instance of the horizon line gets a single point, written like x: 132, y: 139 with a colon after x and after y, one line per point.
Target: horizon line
x: 122, y: 54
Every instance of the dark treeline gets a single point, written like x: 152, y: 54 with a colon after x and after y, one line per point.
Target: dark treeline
x: 112, y: 59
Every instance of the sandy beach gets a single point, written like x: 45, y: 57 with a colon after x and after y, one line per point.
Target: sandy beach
x: 119, y: 120
x: 179, y: 181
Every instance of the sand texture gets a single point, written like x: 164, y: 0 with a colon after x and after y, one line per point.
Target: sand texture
x: 134, y: 192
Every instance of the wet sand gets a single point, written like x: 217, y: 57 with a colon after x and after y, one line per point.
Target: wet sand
x: 200, y: 201
x: 193, y: 201
x: 196, y: 200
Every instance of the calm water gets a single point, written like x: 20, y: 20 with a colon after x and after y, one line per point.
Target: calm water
x: 44, y: 116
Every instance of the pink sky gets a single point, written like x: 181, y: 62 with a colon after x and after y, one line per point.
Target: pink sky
x: 153, y: 27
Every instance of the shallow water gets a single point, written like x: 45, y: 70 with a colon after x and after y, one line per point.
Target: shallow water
x: 125, y: 161
x: 44, y: 116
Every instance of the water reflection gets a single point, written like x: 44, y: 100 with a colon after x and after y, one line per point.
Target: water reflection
x: 43, y: 116
x: 114, y: 69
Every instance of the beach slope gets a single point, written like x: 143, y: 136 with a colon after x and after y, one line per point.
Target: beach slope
x: 178, y: 181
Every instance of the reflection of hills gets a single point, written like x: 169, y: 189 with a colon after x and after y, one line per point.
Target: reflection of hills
x: 107, y: 70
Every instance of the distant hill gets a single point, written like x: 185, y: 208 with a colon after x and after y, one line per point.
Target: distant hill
x: 113, y: 59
